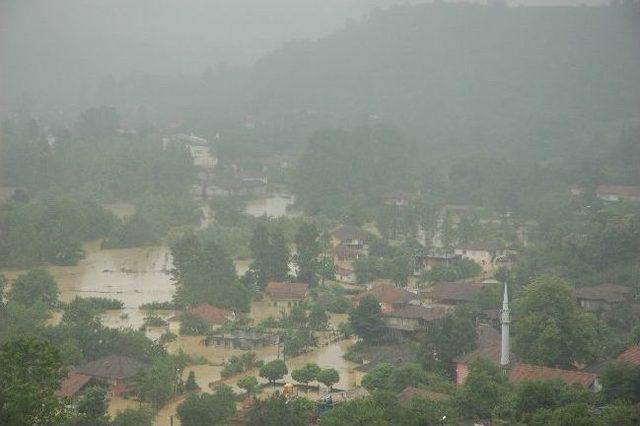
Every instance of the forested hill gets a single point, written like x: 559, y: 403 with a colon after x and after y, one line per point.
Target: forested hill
x: 458, y: 75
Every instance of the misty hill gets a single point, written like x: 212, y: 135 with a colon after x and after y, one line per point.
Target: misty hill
x: 465, y: 76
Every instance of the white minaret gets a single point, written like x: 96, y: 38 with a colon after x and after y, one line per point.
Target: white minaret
x: 505, y: 320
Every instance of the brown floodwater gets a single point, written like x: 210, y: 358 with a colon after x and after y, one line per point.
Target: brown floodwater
x: 140, y: 275
x: 329, y: 356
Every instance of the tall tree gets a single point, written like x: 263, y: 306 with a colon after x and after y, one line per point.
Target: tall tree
x: 279, y: 255
x: 204, y: 273
x: 30, y: 373
x: 551, y: 330
x: 35, y: 286
x: 273, y: 370
x: 203, y: 409
x: 308, y: 246
x: 367, y: 320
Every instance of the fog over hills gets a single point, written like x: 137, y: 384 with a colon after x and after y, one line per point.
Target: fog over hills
x: 77, y: 43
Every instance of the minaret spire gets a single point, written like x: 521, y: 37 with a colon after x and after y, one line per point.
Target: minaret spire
x: 505, y: 320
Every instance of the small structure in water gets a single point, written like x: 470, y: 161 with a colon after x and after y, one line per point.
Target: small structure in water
x: 242, y: 339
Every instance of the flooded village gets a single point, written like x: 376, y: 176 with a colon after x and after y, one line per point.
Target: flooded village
x: 333, y: 213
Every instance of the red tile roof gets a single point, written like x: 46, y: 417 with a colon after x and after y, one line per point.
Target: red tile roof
x: 389, y: 294
x: 72, y: 384
x: 287, y: 291
x: 454, y: 291
x: 523, y: 372
x: 620, y: 190
x: 631, y: 355
x: 211, y: 314
x: 610, y: 293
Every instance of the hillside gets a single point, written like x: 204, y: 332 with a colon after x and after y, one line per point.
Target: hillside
x: 454, y: 75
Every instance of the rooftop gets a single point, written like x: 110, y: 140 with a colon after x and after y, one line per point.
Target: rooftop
x: 610, y: 293
x: 522, y: 372
x: 455, y: 291
x: 418, y: 312
x: 349, y: 232
x: 287, y: 291
x: 389, y: 294
x: 631, y: 355
x: 211, y: 314
x: 112, y: 367
x: 72, y: 384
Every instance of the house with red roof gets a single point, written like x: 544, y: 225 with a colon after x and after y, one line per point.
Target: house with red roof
x: 112, y: 370
x: 631, y: 355
x: 390, y: 297
x: 282, y: 292
x: 528, y: 372
x: 73, y: 384
x: 453, y: 293
x: 349, y: 236
x: 213, y: 315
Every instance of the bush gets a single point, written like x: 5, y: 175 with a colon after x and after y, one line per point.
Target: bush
x: 192, y: 325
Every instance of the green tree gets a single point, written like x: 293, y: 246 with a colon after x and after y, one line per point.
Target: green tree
x: 328, y: 377
x: 190, y: 384
x: 621, y: 382
x: 379, y: 377
x: 30, y: 373
x: 318, y: 318
x: 161, y: 381
x: 354, y: 413
x: 193, y: 325
x: 274, y: 370
x: 531, y: 396
x: 260, y: 246
x: 35, y: 286
x: 93, y: 407
x: 454, y: 335
x: 204, y: 273
x: 277, y: 410
x: 134, y: 417
x: 203, y: 409
x: 279, y: 255
x: 306, y: 374
x: 308, y: 246
x: 367, y: 321
x: 551, y: 330
x: 249, y: 384
x: 482, y: 391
